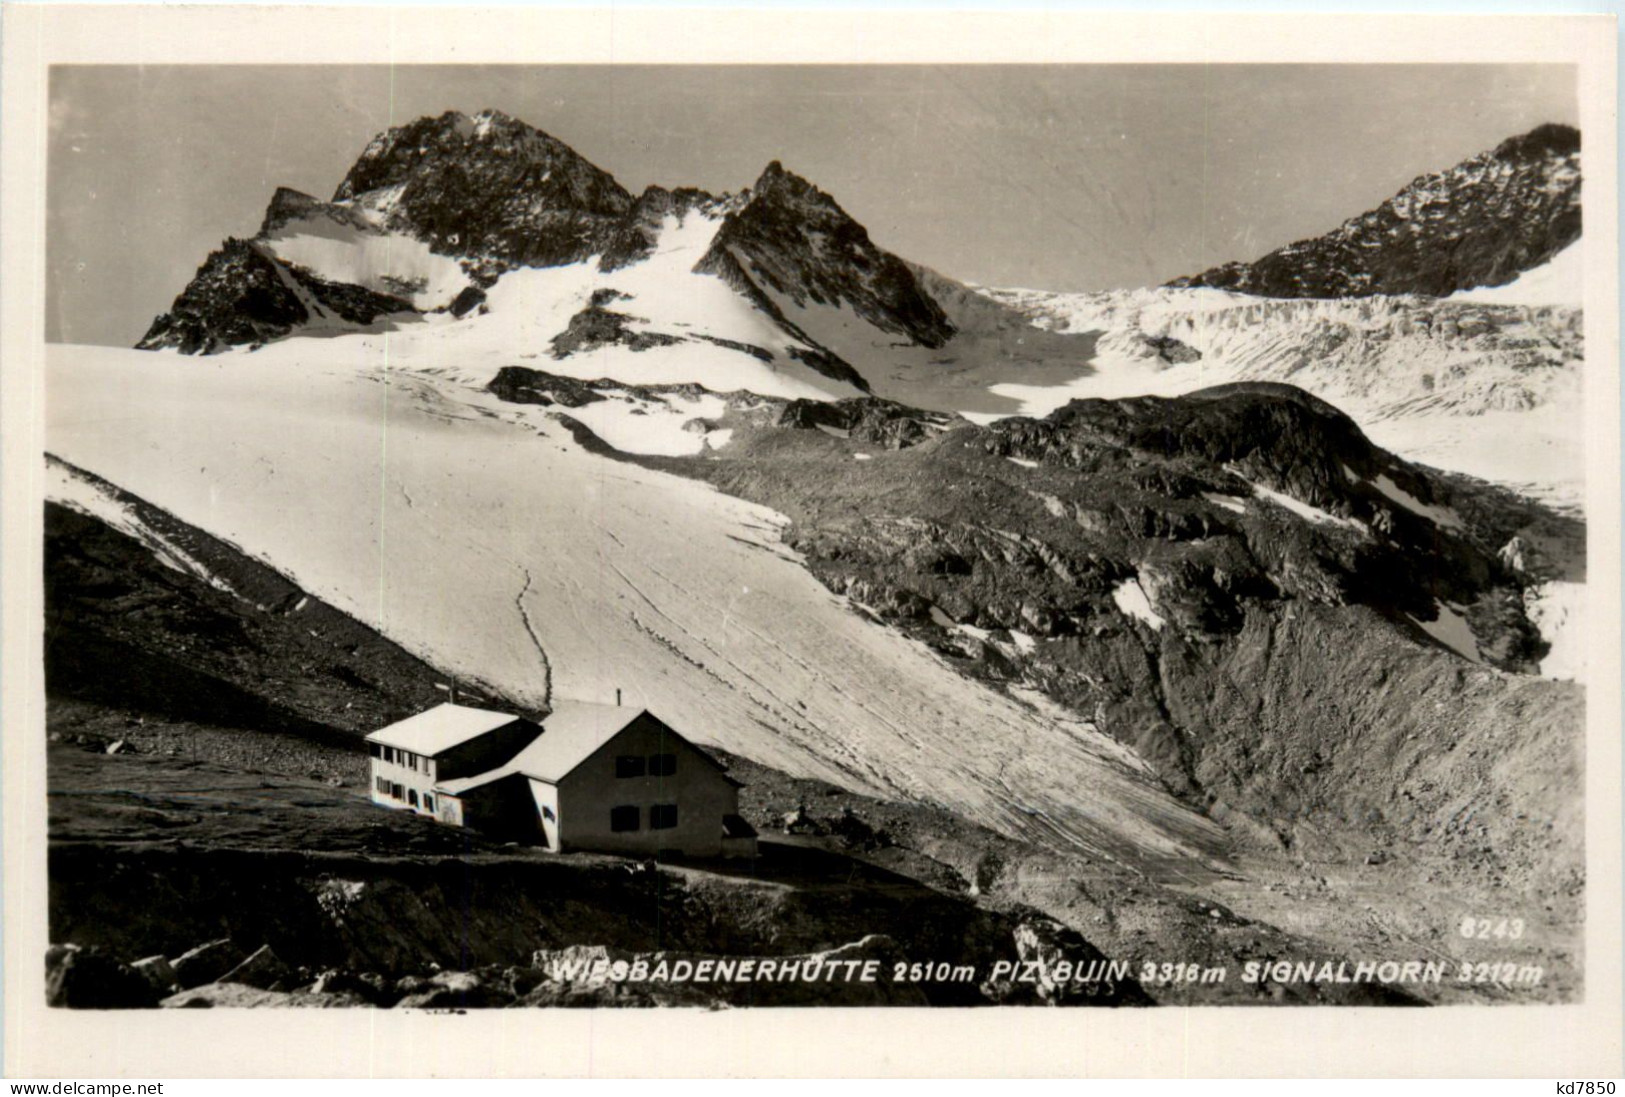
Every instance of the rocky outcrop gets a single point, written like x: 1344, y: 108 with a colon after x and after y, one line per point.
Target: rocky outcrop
x: 451, y: 990
x: 243, y: 295
x: 865, y: 419
x: 289, y: 206
x: 237, y: 996
x: 262, y: 969
x: 157, y: 971
x: 634, y: 237
x: 1481, y: 223
x: 237, y: 297
x: 521, y: 385
x: 596, y: 326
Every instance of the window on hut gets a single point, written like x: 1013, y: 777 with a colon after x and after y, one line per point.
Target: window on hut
x: 623, y: 818
x: 629, y: 765
x: 662, y: 816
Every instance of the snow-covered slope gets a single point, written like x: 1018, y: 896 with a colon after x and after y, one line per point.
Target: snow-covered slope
x: 1559, y: 282
x: 84, y: 496
x: 481, y: 536
x: 675, y: 326
x: 343, y: 250
x: 1492, y: 390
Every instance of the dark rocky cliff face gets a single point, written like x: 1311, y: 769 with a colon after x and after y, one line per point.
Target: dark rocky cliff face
x: 1481, y: 223
x: 242, y: 295
x: 236, y: 297
x: 490, y: 186
x: 795, y: 238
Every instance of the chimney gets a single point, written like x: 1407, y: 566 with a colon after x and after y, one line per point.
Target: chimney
x: 617, y: 698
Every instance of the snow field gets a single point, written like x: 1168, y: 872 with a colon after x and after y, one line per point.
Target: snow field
x: 384, y: 262
x: 1560, y: 281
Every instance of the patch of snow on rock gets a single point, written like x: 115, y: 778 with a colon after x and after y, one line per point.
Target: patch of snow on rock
x: 1304, y: 510
x: 1450, y: 629
x: 1131, y: 599
x: 1443, y: 517
x: 389, y: 263
x: 1228, y: 502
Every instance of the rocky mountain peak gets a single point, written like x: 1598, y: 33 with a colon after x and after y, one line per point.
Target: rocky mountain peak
x: 787, y: 190
x: 1550, y: 139
x: 1480, y: 223
x: 795, y: 241
x: 488, y: 187
x: 435, y: 144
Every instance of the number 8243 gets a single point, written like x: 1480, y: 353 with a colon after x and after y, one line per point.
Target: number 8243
x: 1491, y: 929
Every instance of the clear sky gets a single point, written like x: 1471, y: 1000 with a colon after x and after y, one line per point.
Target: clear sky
x: 1070, y: 177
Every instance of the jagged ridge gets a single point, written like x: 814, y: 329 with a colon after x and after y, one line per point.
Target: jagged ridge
x: 493, y: 194
x: 1481, y: 223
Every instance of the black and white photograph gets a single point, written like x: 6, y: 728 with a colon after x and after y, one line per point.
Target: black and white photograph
x: 727, y: 537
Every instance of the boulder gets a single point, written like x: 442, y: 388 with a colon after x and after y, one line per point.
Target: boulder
x: 207, y: 962
x: 88, y: 978
x: 378, y: 989
x: 455, y: 990
x: 239, y: 996
x: 370, y: 988
x: 262, y: 969
x: 158, y: 971
x: 469, y: 299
